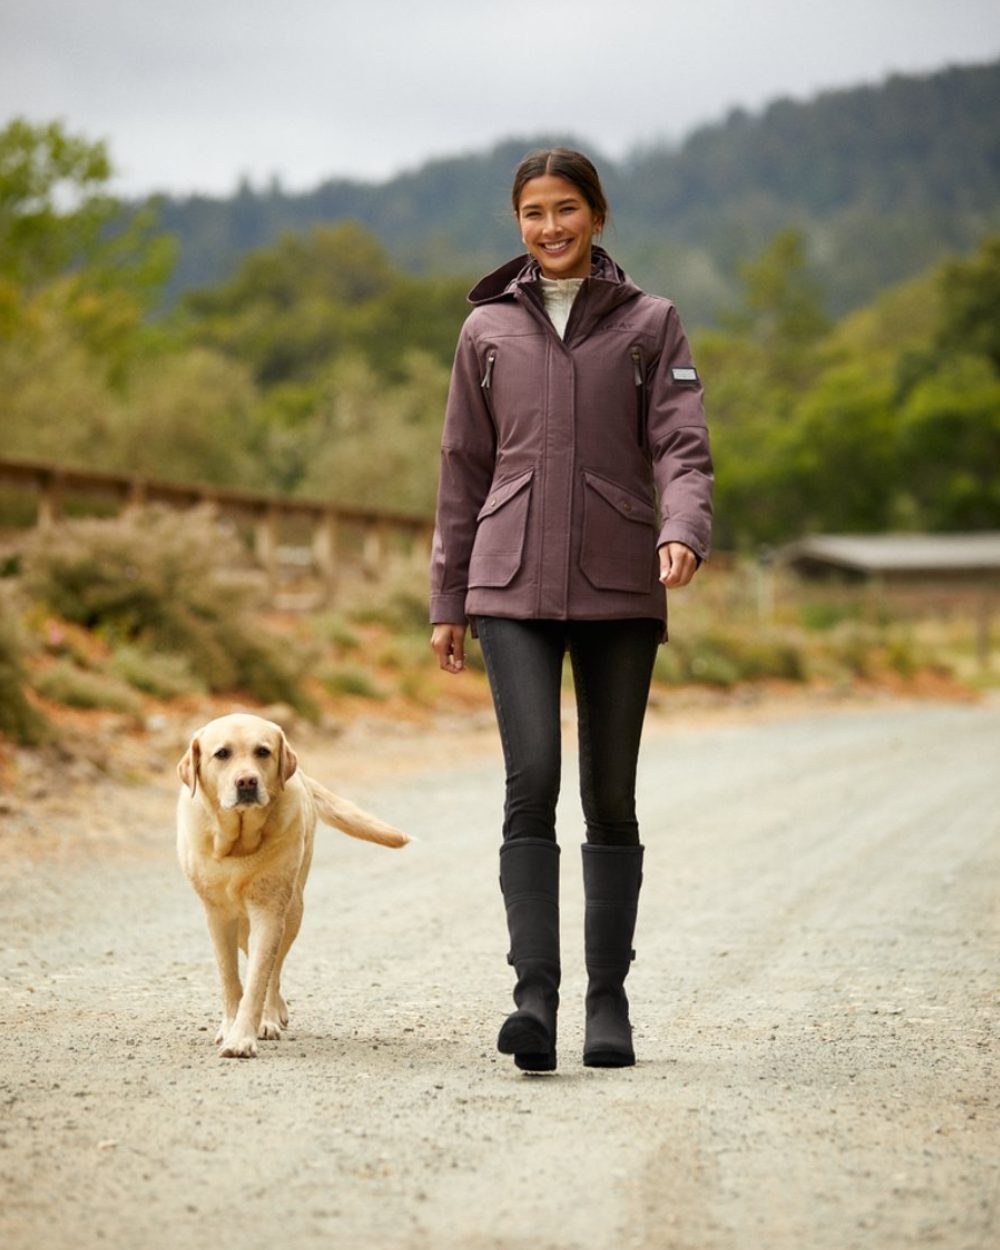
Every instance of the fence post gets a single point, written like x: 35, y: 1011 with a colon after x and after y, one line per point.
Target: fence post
x: 49, y: 500
x: 324, y: 547
x: 266, y: 542
x: 421, y: 544
x: 136, y: 496
x: 373, y: 547
x: 764, y: 584
x: 983, y: 631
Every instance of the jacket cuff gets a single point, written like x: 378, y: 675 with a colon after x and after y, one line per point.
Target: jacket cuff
x: 447, y: 609
x: 678, y: 532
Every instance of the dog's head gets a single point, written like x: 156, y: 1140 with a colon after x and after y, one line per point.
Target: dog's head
x: 239, y: 761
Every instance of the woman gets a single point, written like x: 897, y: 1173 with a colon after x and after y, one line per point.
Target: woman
x: 573, y: 404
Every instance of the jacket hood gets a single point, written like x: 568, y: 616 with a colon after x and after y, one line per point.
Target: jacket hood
x: 522, y: 271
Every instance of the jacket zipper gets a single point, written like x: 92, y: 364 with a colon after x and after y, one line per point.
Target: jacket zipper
x: 640, y: 394
x: 488, y: 375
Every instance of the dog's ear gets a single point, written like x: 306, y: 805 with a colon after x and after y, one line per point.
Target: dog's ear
x: 287, y: 760
x: 187, y: 769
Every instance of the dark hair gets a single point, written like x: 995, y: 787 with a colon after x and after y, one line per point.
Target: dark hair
x: 563, y: 163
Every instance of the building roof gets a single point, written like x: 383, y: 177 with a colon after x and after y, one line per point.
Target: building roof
x: 898, y: 553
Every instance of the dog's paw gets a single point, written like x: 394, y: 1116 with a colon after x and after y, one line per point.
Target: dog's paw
x: 269, y: 1031
x: 237, y: 1047
x: 275, y: 1015
x: 225, y: 1028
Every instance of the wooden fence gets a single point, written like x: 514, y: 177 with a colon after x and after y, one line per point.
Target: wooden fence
x: 335, y: 537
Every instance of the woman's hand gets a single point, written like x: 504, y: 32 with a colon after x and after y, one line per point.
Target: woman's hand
x: 448, y: 644
x: 678, y: 564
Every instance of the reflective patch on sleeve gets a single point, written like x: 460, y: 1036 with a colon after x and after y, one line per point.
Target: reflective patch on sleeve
x: 686, y: 373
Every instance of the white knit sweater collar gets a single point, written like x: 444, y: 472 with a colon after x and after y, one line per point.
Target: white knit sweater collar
x: 558, y: 295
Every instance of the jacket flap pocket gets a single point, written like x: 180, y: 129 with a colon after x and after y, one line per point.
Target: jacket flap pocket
x: 631, y: 506
x: 503, y: 492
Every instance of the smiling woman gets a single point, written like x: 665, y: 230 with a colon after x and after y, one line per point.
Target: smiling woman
x: 573, y: 402
x: 560, y: 206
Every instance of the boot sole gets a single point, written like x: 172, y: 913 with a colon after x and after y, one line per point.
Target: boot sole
x: 608, y: 1059
x: 535, y: 1063
x: 528, y: 1040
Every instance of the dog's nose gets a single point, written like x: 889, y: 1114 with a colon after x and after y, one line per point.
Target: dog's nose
x: 246, y: 781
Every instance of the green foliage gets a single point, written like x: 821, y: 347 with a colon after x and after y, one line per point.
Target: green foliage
x: 76, y: 282
x: 889, y: 420
x: 66, y: 249
x: 970, y: 294
x: 53, y: 207
x: 948, y: 446
x: 371, y: 443
x: 191, y: 416
x: 166, y: 582
x: 783, y: 301
x: 292, y: 308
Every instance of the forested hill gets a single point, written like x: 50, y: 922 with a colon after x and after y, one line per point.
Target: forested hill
x: 882, y: 180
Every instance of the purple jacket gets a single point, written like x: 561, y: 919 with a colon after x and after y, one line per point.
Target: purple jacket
x: 565, y: 463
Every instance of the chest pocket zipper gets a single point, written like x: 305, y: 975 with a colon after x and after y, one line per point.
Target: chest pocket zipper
x: 640, y: 395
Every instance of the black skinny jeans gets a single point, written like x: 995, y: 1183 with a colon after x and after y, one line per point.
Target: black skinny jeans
x: 612, y: 667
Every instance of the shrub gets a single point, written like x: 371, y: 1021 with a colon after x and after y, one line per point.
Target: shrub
x: 162, y: 676
x: 351, y: 680
x: 723, y: 658
x: 335, y: 629
x: 19, y: 721
x: 76, y: 687
x: 399, y: 604
x: 820, y: 615
x: 901, y: 656
x: 854, y: 649
x: 178, y: 583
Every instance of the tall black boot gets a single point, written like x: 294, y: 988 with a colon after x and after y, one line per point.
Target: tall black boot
x: 529, y: 879
x: 612, y: 876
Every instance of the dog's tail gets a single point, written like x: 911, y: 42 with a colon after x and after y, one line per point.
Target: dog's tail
x: 343, y: 815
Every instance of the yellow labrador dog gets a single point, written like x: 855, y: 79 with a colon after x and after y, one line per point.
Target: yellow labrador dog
x: 245, y: 822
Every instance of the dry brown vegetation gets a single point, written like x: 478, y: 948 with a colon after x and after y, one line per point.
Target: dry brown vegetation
x: 130, y: 620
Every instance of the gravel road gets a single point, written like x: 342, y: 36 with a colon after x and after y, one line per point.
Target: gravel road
x: 815, y: 1002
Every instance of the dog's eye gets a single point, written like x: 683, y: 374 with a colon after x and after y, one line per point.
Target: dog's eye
x: 223, y: 753
x: 262, y: 752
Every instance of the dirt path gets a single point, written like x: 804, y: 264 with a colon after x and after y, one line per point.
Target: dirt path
x: 816, y: 1004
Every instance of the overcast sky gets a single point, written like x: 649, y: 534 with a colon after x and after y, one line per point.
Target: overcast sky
x: 192, y: 94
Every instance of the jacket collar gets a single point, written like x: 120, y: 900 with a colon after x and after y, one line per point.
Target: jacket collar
x: 607, y: 287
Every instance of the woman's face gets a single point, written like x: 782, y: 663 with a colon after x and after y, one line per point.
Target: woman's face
x: 557, y: 225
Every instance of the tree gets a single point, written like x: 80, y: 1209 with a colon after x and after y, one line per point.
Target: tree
x: 67, y: 253
x: 949, y: 446
x: 53, y: 204
x: 57, y: 217
x: 76, y: 281
x: 970, y: 293
x: 782, y: 306
x: 756, y: 369
x: 292, y: 309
